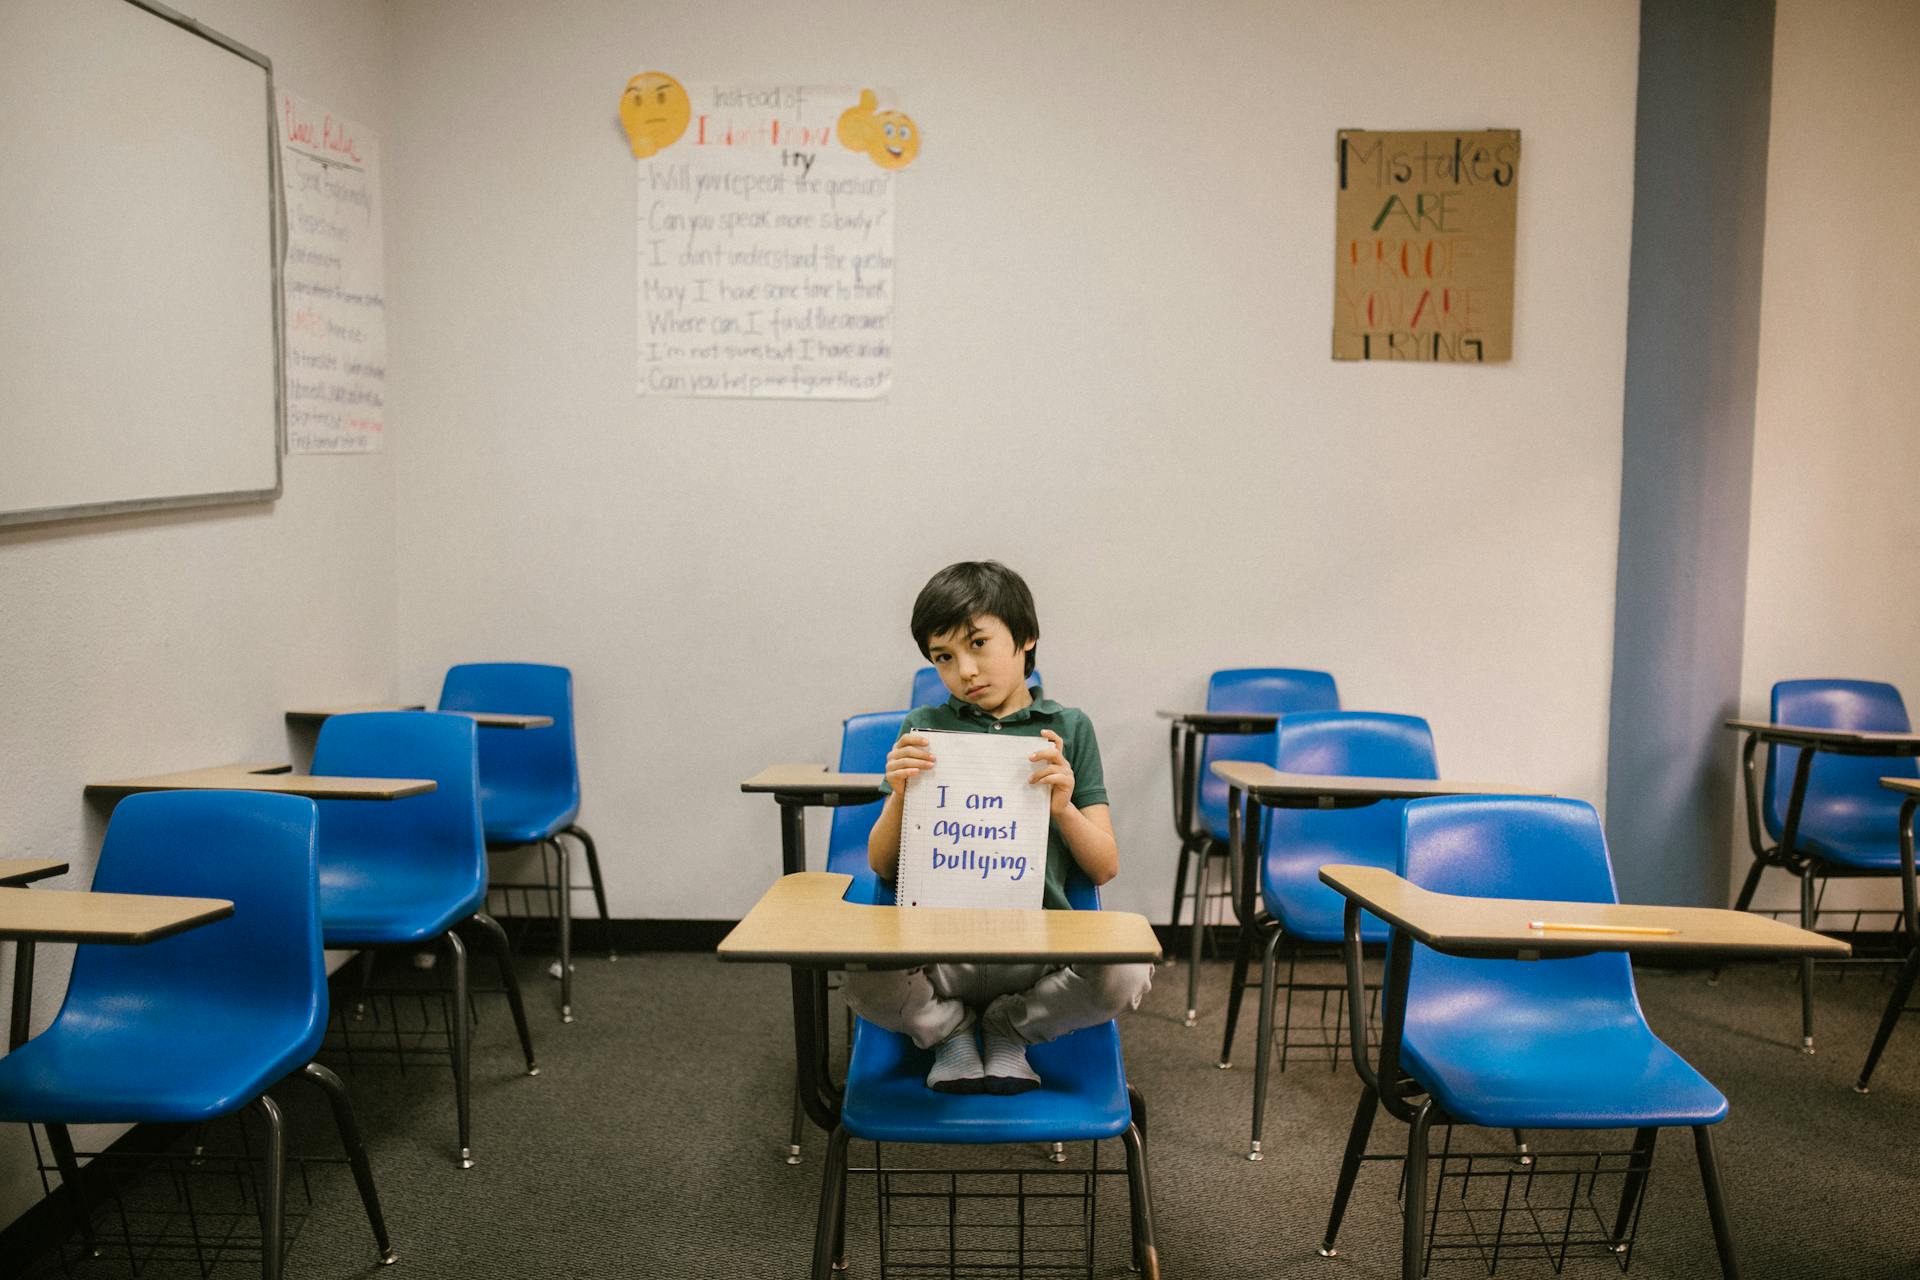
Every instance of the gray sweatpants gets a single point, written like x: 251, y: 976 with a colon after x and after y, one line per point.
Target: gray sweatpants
x: 930, y: 1003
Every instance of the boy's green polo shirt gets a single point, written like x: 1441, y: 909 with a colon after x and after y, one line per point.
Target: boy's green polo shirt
x: 1077, y: 745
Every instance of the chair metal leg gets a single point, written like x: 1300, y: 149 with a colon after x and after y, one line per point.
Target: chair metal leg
x: 62, y: 1143
x: 496, y: 936
x: 1198, y: 933
x: 566, y: 931
x: 1180, y: 885
x: 1635, y: 1186
x: 1146, y: 1255
x: 1896, y: 1005
x: 336, y: 1092
x: 273, y: 1201
x: 1716, y: 1202
x: 840, y: 1222
x: 1138, y: 1105
x: 799, y: 1125
x: 1414, y: 1208
x: 1242, y: 956
x: 460, y: 1042
x: 365, y: 968
x: 833, y: 1190
x: 1745, y: 899
x: 1350, y: 1167
x: 1263, y: 1052
x: 579, y: 833
x: 1807, y: 914
x: 1522, y: 1153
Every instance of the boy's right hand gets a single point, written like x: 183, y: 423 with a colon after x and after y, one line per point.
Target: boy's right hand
x: 909, y: 756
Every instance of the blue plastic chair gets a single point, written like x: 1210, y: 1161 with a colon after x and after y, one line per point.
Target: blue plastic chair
x: 929, y: 692
x: 530, y: 781
x: 1200, y: 801
x: 406, y: 872
x: 1084, y: 1097
x: 201, y: 1024
x: 1299, y: 909
x: 1519, y: 1044
x: 1848, y: 825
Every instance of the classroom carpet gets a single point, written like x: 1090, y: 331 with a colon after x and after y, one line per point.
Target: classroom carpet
x: 652, y: 1144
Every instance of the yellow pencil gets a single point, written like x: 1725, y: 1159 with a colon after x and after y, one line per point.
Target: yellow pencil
x: 1600, y: 928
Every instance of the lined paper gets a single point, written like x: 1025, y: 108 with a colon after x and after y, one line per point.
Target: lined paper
x: 974, y: 831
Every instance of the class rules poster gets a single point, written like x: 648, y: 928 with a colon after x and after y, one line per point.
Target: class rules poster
x: 1423, y: 251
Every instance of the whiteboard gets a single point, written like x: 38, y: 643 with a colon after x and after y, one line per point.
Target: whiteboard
x: 140, y: 248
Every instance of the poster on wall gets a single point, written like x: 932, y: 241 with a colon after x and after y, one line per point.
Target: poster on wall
x: 335, y: 282
x: 1423, y: 250
x: 765, y: 237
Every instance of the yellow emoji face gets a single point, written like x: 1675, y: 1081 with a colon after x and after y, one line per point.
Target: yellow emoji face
x: 895, y: 140
x: 889, y: 138
x: 654, y: 110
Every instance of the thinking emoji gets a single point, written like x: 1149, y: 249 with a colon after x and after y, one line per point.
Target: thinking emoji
x: 654, y: 110
x: 889, y: 138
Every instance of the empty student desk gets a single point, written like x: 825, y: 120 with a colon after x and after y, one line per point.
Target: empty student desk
x: 1516, y: 929
x: 795, y: 788
x: 276, y: 778
x: 1251, y: 785
x: 485, y: 719
x: 19, y: 871
x: 30, y: 916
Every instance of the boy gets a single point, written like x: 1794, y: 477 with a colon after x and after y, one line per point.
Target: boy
x: 975, y: 622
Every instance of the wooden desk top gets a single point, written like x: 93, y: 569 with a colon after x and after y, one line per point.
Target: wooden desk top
x: 802, y: 920
x: 1844, y: 741
x: 19, y: 871
x: 1222, y: 721
x: 266, y: 777
x: 1267, y: 784
x: 72, y: 915
x: 1503, y: 926
x: 485, y: 719
x: 1905, y: 786
x: 809, y: 780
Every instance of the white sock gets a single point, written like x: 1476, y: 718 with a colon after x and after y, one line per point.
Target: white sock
x: 1006, y: 1067
x: 956, y: 1062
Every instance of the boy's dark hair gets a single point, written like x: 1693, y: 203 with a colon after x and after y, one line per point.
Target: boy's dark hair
x: 962, y: 592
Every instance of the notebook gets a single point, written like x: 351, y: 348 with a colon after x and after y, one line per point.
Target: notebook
x: 973, y: 832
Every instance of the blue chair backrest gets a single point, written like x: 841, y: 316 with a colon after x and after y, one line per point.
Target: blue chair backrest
x: 1833, y: 704
x: 1356, y: 744
x: 1513, y: 847
x: 864, y: 743
x: 540, y: 761
x: 438, y: 833
x: 1269, y: 691
x: 929, y: 692
x: 253, y: 849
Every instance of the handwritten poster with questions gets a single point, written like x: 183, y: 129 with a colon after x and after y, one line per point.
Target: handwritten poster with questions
x: 1423, y: 250
x: 335, y: 282
x: 765, y: 237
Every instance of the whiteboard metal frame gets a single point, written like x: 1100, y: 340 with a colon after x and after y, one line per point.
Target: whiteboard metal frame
x: 277, y: 213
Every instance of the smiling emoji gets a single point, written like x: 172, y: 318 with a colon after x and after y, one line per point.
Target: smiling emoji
x: 889, y: 138
x: 654, y: 110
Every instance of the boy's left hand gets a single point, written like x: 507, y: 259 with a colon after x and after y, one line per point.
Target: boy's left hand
x: 1054, y: 771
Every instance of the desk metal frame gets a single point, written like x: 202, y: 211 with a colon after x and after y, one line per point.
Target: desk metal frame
x: 1803, y: 865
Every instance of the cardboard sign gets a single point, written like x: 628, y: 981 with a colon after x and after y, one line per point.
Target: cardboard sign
x: 1423, y: 254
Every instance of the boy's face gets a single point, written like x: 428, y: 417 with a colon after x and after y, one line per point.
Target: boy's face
x: 979, y: 663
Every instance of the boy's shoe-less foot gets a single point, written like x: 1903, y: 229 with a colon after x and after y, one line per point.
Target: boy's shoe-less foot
x: 1006, y: 1067
x: 956, y: 1063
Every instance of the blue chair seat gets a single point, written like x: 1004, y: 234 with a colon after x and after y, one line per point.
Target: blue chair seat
x: 1309, y: 911
x: 1858, y: 829
x: 1083, y: 1094
x: 395, y: 903
x: 149, y: 1068
x: 1566, y: 1061
x: 512, y: 817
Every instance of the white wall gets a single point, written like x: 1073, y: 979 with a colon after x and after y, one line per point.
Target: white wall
x: 139, y: 644
x: 1114, y: 291
x: 1836, y: 442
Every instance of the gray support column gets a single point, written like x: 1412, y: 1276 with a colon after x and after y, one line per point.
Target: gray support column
x: 1693, y: 333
